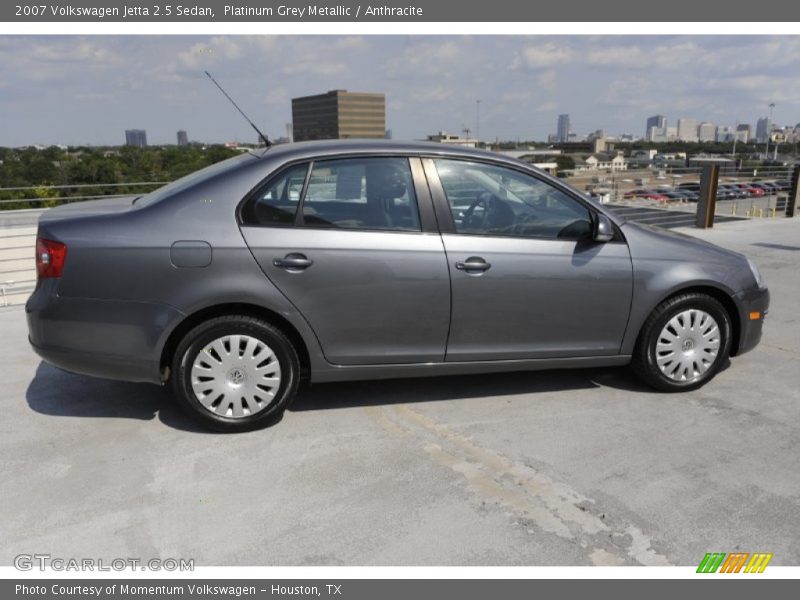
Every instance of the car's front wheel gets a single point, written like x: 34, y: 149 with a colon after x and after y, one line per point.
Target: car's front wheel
x: 684, y: 343
x: 235, y: 373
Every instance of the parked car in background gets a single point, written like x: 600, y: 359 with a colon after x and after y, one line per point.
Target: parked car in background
x: 354, y: 259
x: 673, y: 195
x: 647, y: 194
x: 690, y: 188
x: 731, y: 192
x: 750, y: 190
x: 768, y: 187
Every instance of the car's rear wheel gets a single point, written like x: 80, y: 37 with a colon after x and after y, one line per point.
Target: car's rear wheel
x: 235, y: 373
x: 683, y: 343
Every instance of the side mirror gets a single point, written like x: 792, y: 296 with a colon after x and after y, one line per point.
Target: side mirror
x: 603, y: 229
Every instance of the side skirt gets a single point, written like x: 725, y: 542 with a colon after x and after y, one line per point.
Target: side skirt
x: 395, y: 371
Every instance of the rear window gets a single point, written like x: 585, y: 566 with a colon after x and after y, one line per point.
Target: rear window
x: 190, y: 180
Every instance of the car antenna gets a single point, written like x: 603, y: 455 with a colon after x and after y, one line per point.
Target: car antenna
x: 263, y: 137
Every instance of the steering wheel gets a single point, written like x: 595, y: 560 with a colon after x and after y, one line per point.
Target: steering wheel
x: 482, y: 199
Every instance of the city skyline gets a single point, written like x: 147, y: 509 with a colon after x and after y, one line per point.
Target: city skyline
x: 87, y: 90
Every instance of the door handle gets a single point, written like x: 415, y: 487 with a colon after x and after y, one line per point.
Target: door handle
x: 293, y: 262
x: 473, y: 263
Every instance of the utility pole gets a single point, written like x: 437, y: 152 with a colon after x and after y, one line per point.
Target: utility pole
x: 478, y: 121
x: 769, y: 130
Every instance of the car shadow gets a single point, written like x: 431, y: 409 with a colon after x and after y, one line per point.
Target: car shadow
x: 431, y: 389
x: 57, y: 393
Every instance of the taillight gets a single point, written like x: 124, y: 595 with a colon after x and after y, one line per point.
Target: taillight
x: 50, y: 258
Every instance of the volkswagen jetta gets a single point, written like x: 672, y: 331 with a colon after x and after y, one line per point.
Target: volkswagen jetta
x: 344, y: 260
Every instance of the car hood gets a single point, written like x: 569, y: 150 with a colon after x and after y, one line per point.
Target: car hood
x: 649, y: 241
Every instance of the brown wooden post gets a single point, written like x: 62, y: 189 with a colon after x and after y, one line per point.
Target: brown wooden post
x: 791, y: 201
x: 708, y: 197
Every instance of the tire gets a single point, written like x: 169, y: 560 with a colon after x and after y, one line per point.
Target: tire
x: 678, y: 349
x: 233, y: 389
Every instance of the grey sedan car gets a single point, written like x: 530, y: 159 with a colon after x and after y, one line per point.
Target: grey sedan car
x: 345, y: 260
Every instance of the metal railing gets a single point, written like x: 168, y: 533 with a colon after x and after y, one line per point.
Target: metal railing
x: 53, y: 195
x: 742, y: 191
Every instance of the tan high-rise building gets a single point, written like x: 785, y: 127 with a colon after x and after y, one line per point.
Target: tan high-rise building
x: 339, y: 114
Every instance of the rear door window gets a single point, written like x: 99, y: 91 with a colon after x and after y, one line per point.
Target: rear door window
x: 275, y: 203
x: 374, y: 193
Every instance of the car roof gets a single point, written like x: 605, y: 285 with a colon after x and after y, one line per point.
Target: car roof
x: 376, y: 146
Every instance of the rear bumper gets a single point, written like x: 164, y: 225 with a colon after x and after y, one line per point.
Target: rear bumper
x: 753, y: 307
x: 98, y: 365
x: 113, y: 339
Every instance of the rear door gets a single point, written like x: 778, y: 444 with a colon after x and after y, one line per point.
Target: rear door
x: 527, y: 279
x: 352, y: 243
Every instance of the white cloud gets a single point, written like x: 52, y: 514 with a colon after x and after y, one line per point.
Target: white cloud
x: 547, y: 80
x: 518, y: 96
x: 313, y: 66
x: 278, y: 96
x: 542, y: 55
x: 549, y: 106
x: 351, y: 42
x: 441, y: 59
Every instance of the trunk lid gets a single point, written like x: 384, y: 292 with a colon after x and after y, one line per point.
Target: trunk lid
x: 88, y: 208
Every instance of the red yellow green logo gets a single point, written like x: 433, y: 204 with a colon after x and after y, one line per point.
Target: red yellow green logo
x: 734, y: 562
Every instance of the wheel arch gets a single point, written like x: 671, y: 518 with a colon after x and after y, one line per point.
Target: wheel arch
x: 720, y: 295
x: 235, y: 308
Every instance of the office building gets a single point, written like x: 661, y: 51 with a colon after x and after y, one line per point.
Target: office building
x: 687, y: 130
x: 744, y: 132
x: 656, y: 128
x: 671, y: 134
x: 563, y: 130
x: 136, y: 137
x: 726, y: 133
x: 339, y: 114
x: 659, y: 121
x: 763, y: 127
x: 183, y: 139
x: 706, y: 132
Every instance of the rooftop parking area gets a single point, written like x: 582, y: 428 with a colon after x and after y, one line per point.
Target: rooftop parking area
x: 546, y: 468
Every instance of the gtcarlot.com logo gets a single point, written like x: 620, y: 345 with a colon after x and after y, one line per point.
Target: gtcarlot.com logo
x: 734, y: 562
x: 42, y: 562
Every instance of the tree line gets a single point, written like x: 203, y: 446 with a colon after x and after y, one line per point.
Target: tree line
x: 39, y: 169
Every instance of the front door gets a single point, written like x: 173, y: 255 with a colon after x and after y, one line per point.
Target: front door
x: 527, y: 280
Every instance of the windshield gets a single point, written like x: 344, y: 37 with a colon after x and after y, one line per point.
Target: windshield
x: 190, y: 180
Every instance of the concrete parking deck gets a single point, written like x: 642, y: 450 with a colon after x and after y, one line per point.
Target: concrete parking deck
x: 560, y: 468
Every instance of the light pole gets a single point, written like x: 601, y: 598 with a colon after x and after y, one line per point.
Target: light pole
x: 769, y: 130
x: 478, y: 121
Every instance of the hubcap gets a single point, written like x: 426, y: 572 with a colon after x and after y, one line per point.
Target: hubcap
x: 688, y: 345
x: 236, y: 376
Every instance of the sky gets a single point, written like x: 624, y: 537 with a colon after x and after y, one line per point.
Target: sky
x: 89, y: 89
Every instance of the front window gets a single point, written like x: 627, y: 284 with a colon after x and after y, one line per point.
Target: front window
x: 491, y: 200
